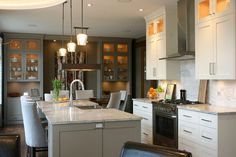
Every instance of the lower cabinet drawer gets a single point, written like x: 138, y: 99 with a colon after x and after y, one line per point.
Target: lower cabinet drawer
x: 188, y: 131
x: 205, y: 152
x: 146, y: 136
x: 208, y: 137
x: 190, y: 147
x: 188, y: 116
x: 208, y: 120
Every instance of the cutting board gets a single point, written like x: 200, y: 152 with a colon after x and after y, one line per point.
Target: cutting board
x: 202, y: 92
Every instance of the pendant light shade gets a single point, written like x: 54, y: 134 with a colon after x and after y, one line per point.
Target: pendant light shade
x: 82, y: 39
x: 62, y: 52
x: 71, y: 46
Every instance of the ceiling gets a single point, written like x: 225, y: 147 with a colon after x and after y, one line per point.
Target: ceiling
x: 107, y: 18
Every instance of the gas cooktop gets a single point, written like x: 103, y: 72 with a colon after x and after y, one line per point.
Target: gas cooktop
x: 170, y: 106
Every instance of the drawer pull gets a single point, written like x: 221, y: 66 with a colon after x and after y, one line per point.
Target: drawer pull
x: 208, y: 138
x: 187, y: 116
x: 135, y: 105
x: 188, y: 131
x: 145, y: 134
x: 145, y: 118
x: 206, y: 120
x: 144, y: 107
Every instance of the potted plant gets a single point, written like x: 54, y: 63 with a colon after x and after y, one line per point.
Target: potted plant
x: 57, y: 84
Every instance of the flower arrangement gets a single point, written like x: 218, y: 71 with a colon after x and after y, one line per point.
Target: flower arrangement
x: 57, y: 84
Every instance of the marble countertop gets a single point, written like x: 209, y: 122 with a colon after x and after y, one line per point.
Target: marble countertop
x: 144, y: 100
x: 61, y: 113
x: 211, y: 109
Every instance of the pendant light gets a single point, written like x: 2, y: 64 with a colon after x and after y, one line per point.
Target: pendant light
x: 82, y: 37
x: 62, y: 50
x: 71, y: 46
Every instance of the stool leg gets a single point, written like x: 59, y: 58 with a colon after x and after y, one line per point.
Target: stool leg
x: 33, y: 152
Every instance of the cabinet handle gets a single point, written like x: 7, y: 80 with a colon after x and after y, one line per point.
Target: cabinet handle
x: 188, y: 131
x: 145, y: 118
x: 213, y: 68
x: 145, y: 134
x: 144, y: 107
x: 208, y: 138
x: 135, y: 105
x: 206, y: 120
x: 187, y: 116
x: 210, y: 69
x: 154, y: 71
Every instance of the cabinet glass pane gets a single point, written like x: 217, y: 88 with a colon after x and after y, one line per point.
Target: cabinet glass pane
x: 122, y: 48
x: 222, y: 5
x: 122, y: 69
x: 108, y: 47
x: 203, y: 9
x: 151, y: 29
x: 15, y: 67
x: 109, y: 68
x: 15, y: 45
x: 160, y: 25
x: 32, y: 66
x: 32, y: 45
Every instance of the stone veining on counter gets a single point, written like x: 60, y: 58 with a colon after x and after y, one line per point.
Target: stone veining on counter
x: 61, y: 113
x: 211, y: 109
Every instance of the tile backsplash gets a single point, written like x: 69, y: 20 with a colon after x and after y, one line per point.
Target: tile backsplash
x: 221, y: 93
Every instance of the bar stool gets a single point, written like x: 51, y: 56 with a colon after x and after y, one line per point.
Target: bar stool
x: 35, y: 135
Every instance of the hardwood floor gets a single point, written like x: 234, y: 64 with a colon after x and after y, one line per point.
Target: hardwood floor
x: 18, y: 129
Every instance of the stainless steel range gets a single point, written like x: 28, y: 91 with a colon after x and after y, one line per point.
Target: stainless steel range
x: 165, y: 127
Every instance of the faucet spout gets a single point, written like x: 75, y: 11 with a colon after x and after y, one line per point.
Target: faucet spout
x: 71, y: 85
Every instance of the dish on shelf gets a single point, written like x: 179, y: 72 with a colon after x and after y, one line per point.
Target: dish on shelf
x: 32, y: 78
x: 32, y: 60
x: 14, y: 60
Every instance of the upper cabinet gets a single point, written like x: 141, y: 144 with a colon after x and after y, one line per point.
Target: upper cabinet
x: 215, y: 39
x: 208, y: 9
x: 24, y: 59
x: 161, y: 40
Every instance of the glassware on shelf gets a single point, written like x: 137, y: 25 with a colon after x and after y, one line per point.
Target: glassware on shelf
x: 32, y: 66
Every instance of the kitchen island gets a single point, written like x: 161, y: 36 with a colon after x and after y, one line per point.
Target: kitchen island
x: 74, y: 131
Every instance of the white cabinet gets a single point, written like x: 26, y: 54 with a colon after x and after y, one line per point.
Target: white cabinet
x: 161, y: 41
x: 14, y: 114
x: 144, y: 110
x: 208, y: 9
x: 101, y: 139
x: 215, y: 41
x: 207, y: 135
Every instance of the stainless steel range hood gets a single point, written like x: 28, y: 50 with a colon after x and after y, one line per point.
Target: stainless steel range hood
x: 186, y: 32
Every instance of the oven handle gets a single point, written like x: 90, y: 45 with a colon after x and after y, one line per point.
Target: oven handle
x: 167, y: 116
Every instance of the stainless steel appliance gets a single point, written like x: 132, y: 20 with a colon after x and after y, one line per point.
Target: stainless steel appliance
x: 165, y: 127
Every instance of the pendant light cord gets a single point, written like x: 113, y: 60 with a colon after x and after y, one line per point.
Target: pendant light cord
x: 82, y: 19
x: 71, y: 20
x: 62, y: 43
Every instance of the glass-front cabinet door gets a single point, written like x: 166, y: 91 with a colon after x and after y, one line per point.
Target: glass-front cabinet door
x: 32, y: 67
x: 207, y: 9
x: 223, y: 6
x: 122, y: 68
x: 15, y: 69
x: 204, y: 10
x: 108, y: 68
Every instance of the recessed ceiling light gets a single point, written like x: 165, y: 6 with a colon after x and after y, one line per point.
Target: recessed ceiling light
x: 90, y: 4
x: 124, y: 1
x: 140, y: 9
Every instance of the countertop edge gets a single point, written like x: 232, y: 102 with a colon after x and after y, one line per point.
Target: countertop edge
x: 209, y: 112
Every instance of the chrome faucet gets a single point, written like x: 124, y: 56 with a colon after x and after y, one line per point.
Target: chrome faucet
x: 71, y: 85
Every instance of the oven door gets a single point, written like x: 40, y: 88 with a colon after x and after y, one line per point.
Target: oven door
x: 165, y: 130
